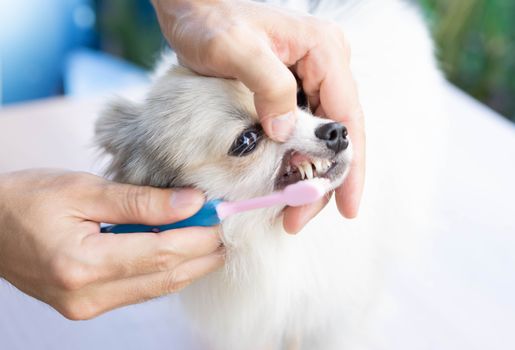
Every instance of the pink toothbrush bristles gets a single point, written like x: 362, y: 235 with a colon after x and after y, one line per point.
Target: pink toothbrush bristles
x: 305, y: 192
x: 297, y: 194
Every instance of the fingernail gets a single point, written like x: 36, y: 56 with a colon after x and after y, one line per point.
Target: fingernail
x: 186, y: 198
x: 282, y: 126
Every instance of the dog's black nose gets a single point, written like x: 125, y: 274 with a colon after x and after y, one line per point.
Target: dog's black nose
x: 334, y: 135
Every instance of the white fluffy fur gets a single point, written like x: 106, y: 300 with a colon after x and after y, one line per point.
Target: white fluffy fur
x: 314, y: 288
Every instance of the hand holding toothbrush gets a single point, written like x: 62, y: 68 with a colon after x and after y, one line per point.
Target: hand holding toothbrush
x: 51, y: 246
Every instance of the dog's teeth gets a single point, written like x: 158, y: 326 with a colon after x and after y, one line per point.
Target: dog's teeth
x: 318, y: 166
x: 324, y: 165
x: 309, y: 170
x: 306, y: 167
x: 301, y: 171
x: 288, y: 169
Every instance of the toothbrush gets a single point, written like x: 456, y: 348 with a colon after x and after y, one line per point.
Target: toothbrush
x: 214, y: 211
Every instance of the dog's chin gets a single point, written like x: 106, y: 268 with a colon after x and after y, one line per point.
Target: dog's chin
x: 297, y: 166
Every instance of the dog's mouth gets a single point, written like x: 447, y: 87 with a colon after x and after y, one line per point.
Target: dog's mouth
x: 297, y: 166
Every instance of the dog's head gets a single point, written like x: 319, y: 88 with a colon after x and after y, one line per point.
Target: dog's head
x: 204, y: 132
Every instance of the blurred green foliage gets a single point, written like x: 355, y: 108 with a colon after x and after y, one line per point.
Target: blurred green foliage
x: 476, y: 47
x: 475, y: 41
x: 129, y: 29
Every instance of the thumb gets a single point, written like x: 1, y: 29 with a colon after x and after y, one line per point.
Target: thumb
x: 273, y: 84
x: 128, y: 204
x: 276, y: 102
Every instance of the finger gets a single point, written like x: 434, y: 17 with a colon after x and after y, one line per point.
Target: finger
x: 340, y: 102
x: 327, y: 79
x: 312, y: 70
x: 320, y: 112
x: 275, y: 89
x: 348, y: 195
x: 123, y: 256
x: 295, y: 218
x: 314, y: 104
x: 97, y: 299
x: 128, y: 204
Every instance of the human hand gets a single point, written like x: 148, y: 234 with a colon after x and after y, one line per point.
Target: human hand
x: 264, y: 46
x: 51, y: 247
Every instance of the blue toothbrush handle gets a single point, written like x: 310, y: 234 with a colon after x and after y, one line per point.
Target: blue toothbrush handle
x: 206, y: 216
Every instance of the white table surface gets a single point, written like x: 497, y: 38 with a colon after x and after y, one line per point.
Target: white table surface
x: 463, y: 297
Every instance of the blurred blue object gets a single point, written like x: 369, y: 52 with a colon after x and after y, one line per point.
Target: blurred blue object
x: 91, y: 72
x: 35, y: 38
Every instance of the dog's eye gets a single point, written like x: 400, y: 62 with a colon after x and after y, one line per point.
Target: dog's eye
x: 246, y: 142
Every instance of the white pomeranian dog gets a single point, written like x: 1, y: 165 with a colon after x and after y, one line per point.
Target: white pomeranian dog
x: 316, y: 289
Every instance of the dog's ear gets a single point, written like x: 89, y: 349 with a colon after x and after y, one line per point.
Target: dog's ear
x: 115, y: 133
x: 111, y: 129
